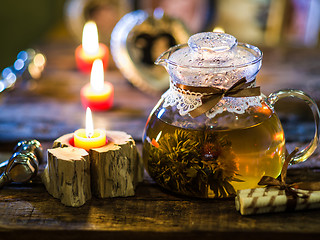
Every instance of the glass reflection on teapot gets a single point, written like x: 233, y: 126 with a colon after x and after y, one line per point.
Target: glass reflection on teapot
x: 213, y: 133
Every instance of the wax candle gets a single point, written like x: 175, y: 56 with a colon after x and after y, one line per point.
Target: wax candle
x: 90, y: 49
x: 89, y: 137
x: 98, y: 94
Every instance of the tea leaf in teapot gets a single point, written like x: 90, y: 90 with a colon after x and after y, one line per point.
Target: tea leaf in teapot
x: 191, y: 162
x: 191, y: 172
x: 224, y: 163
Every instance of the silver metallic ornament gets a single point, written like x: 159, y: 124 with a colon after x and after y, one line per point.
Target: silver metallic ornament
x: 23, y: 164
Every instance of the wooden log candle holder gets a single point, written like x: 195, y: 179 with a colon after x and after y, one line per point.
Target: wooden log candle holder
x: 113, y: 170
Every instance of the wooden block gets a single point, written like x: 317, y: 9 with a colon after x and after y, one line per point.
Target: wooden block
x: 67, y: 175
x: 115, y: 169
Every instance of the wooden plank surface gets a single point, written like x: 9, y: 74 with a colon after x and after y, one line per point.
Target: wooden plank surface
x: 52, y: 108
x: 152, y: 213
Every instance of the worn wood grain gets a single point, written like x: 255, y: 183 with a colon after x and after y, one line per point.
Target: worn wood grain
x: 151, y: 212
x: 117, y: 167
x: 67, y: 175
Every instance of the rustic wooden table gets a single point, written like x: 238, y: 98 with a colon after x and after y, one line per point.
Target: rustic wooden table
x: 50, y: 108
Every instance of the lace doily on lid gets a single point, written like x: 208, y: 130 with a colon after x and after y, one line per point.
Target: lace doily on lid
x: 186, y: 101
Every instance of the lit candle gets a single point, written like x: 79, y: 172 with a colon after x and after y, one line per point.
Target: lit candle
x: 89, y: 137
x: 90, y: 49
x: 98, y: 94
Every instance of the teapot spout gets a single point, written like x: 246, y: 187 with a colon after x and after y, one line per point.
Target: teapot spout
x: 162, y: 59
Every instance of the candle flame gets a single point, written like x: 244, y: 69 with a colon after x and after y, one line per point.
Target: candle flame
x: 89, y: 123
x: 219, y: 30
x: 90, y: 41
x: 97, y: 76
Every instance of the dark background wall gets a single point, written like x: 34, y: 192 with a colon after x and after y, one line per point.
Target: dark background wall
x: 23, y: 23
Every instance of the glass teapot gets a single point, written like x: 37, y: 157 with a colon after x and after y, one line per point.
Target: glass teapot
x: 213, y: 133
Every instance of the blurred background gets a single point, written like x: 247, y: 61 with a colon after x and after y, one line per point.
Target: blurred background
x: 270, y: 23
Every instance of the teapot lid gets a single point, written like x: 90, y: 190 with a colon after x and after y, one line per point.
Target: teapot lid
x: 214, y: 50
x: 211, y: 60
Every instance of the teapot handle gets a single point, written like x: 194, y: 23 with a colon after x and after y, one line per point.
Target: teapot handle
x: 308, y: 150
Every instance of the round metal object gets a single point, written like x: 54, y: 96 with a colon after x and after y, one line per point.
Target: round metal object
x: 136, y: 42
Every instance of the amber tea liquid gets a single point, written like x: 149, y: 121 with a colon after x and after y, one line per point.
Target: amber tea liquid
x: 236, y: 156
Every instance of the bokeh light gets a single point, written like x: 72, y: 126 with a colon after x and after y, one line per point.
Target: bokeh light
x: 18, y: 64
